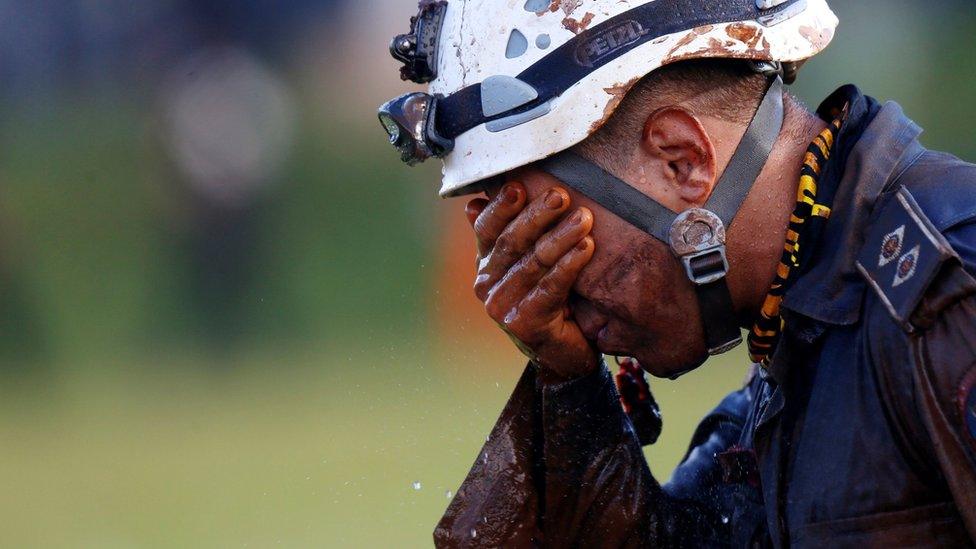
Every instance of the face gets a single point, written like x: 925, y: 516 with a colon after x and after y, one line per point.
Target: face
x: 633, y: 298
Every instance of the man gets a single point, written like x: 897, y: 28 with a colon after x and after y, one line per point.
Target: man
x: 707, y: 201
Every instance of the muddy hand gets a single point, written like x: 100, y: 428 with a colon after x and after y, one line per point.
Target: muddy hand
x: 529, y: 258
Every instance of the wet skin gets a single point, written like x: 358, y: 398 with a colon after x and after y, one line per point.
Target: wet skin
x: 567, y: 280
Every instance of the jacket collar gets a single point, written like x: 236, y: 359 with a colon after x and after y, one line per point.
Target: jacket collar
x: 874, y: 146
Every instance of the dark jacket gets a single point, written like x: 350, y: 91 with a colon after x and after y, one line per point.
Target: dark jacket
x: 862, y: 432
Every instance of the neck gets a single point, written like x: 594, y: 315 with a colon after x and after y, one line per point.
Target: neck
x: 756, y: 239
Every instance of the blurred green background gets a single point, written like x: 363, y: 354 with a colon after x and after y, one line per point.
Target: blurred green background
x: 231, y: 318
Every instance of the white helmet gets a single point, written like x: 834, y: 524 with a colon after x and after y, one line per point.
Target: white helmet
x: 528, y: 83
x: 513, y: 82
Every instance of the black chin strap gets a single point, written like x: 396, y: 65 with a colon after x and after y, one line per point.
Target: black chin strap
x: 696, y: 236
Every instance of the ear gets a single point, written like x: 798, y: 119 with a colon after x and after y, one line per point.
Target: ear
x: 678, y: 146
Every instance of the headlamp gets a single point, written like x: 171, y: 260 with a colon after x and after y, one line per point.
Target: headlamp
x: 409, y: 120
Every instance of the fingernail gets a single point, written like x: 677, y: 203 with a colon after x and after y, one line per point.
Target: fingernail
x: 511, y: 194
x: 583, y: 244
x: 554, y: 199
x: 576, y: 218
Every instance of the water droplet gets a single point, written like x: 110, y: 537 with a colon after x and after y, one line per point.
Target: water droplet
x: 416, y: 485
x: 474, y: 533
x: 449, y: 494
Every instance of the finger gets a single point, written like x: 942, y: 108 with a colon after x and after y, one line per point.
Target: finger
x: 493, y: 219
x: 517, y: 238
x: 521, y: 234
x: 527, y: 272
x: 558, y: 242
x: 552, y: 292
x: 474, y: 208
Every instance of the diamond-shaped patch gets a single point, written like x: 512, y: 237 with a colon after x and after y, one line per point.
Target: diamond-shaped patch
x: 891, y: 246
x: 907, y: 264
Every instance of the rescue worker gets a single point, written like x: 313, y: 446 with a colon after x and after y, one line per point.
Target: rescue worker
x: 650, y: 189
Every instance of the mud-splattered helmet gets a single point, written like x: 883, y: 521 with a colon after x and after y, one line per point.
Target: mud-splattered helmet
x: 515, y: 81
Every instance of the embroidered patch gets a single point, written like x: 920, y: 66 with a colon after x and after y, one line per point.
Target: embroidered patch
x: 906, y: 267
x: 899, y: 277
x: 891, y: 246
x: 967, y: 406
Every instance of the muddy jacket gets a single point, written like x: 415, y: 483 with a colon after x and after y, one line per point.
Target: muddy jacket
x: 862, y: 432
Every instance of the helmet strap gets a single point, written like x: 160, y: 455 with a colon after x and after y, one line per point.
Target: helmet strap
x: 696, y: 236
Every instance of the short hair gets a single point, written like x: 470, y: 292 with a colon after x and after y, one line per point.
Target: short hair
x: 726, y: 89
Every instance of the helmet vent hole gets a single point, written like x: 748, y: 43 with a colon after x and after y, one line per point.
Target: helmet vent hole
x: 517, y: 45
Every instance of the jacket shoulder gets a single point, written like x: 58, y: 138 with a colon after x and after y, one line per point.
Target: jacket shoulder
x: 944, y: 187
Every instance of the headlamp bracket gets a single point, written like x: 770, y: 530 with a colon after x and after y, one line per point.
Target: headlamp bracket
x: 418, y: 49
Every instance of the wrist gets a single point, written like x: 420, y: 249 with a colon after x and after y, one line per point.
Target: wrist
x: 553, y: 374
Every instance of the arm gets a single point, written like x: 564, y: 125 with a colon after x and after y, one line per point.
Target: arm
x: 563, y: 467
x: 944, y: 377
x: 498, y: 504
x: 944, y: 373
x: 599, y: 491
x: 714, y: 492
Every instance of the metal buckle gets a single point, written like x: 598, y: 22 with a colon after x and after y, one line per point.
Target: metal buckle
x: 698, y: 238
x: 725, y: 347
x: 774, y: 12
x: 702, y: 267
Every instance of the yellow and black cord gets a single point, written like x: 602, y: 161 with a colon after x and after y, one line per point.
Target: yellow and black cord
x: 768, y: 327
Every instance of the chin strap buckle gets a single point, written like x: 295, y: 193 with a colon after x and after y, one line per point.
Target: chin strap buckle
x: 706, y: 266
x: 697, y: 237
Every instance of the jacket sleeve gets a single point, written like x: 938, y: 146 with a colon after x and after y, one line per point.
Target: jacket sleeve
x: 498, y: 504
x: 944, y: 376
x: 599, y: 491
x: 714, y: 491
x: 563, y: 467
